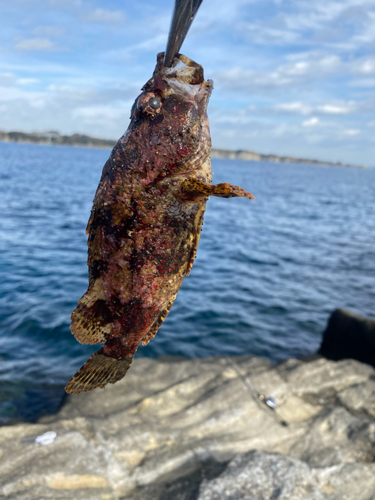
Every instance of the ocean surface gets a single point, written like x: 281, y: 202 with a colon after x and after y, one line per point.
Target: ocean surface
x: 267, y: 276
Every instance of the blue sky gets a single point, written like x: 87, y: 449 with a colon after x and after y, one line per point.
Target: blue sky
x: 294, y: 77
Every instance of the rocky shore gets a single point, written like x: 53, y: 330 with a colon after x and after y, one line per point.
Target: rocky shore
x: 209, y: 429
x: 193, y: 429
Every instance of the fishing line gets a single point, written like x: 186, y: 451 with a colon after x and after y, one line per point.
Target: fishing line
x: 267, y: 403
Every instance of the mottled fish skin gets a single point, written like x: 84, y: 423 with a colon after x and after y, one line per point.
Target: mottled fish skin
x: 146, y: 220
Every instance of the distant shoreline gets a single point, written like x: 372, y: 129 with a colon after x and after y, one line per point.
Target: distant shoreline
x: 252, y: 156
x: 54, y: 138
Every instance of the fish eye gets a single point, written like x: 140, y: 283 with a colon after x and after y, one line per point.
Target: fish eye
x: 154, y: 103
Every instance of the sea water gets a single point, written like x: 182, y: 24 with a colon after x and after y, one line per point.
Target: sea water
x: 267, y: 276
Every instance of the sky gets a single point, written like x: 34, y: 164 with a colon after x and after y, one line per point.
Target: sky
x: 291, y: 77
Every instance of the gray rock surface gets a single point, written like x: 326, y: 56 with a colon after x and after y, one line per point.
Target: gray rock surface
x: 178, y: 429
x: 259, y: 475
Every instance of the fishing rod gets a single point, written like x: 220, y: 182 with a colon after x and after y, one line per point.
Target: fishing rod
x: 183, y: 15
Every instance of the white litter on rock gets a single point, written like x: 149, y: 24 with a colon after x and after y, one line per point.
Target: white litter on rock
x: 46, y: 438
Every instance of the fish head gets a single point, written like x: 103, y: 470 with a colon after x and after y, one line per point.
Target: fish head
x: 169, y: 123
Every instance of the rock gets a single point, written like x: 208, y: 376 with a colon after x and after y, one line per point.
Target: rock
x: 183, y: 429
x: 334, y: 437
x: 349, y: 335
x: 359, y: 398
x: 259, y: 475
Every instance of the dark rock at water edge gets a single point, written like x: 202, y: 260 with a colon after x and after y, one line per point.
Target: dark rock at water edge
x: 349, y: 335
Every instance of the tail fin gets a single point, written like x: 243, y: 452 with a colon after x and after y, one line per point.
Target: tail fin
x: 98, y: 371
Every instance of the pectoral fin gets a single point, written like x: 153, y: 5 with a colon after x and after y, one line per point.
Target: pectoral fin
x: 195, y: 188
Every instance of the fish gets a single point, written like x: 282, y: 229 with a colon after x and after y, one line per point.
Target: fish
x: 146, y: 220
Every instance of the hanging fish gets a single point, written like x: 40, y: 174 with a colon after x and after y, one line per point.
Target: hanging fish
x: 146, y: 220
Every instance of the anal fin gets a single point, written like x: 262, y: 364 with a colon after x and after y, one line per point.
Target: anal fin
x: 155, y: 327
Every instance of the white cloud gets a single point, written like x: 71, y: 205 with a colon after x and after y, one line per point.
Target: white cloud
x: 336, y: 109
x: 367, y: 32
x: 342, y: 25
x: 365, y: 66
x: 72, y: 4
x: 315, y: 65
x: 27, y: 81
x: 11, y: 95
x: 312, y: 122
x: 332, y: 108
x: 265, y: 35
x: 99, y: 114
x: 352, y: 132
x: 85, y: 13
x: 325, y: 141
x: 239, y: 80
x: 104, y: 16
x: 293, y: 107
x: 48, y: 31
x: 38, y: 44
x: 276, y: 64
x: 39, y: 67
x: 363, y: 82
x: 303, y: 71
x: 72, y: 93
x: 7, y: 79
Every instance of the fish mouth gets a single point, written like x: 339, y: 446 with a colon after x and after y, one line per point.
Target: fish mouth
x: 185, y: 79
x: 184, y: 69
